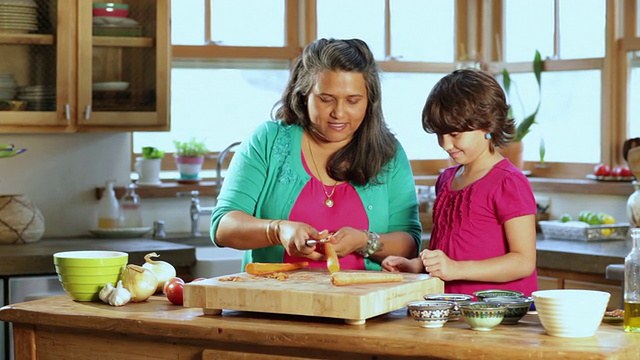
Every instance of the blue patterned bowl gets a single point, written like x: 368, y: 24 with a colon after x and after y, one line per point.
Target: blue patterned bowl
x: 483, y: 316
x: 517, y: 307
x: 430, y: 313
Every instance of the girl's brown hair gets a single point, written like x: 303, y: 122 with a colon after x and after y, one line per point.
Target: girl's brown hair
x: 467, y: 100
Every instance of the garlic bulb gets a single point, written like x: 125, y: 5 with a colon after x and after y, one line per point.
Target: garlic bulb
x: 163, y: 270
x: 105, y: 292
x: 119, y: 296
x: 140, y: 282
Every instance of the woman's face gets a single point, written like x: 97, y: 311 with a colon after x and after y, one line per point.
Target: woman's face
x: 337, y: 104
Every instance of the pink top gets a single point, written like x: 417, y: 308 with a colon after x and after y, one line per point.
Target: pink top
x: 467, y: 223
x: 346, y: 211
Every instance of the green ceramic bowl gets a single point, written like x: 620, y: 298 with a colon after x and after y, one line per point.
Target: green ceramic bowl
x: 483, y: 316
x: 110, y: 6
x: 84, y: 273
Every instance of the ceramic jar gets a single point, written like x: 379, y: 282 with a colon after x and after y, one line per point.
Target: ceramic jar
x: 633, y: 206
x: 20, y: 220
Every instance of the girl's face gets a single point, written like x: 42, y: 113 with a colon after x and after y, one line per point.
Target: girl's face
x: 465, y: 147
x: 337, y: 104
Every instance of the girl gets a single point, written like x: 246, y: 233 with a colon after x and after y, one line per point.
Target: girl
x: 484, y: 214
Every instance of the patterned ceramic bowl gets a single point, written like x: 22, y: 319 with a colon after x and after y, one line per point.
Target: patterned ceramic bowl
x: 457, y: 299
x: 517, y: 307
x: 430, y: 313
x: 483, y: 316
x: 484, y: 294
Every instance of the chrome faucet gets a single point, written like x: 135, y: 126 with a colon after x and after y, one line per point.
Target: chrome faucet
x: 221, y: 157
x: 195, y: 210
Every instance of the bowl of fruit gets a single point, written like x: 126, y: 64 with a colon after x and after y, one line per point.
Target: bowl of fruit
x: 589, y: 226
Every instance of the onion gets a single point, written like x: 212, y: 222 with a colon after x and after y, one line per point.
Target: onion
x: 140, y: 282
x: 163, y: 270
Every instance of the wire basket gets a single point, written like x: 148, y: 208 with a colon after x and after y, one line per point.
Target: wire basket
x: 575, y: 230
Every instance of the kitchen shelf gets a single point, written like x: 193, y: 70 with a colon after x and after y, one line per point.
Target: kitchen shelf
x: 26, y: 39
x: 122, y: 41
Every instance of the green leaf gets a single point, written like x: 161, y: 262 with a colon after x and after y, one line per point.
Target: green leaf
x: 149, y: 152
x: 506, y: 80
x: 543, y: 151
x: 537, y: 68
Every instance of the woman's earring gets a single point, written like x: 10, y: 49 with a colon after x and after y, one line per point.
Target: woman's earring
x: 487, y: 136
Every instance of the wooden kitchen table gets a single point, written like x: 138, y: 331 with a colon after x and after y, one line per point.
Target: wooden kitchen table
x: 59, y: 328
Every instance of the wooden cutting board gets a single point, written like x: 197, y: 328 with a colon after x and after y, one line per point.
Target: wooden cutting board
x: 308, y: 292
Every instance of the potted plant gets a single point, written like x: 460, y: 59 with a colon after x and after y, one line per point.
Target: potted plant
x: 190, y: 157
x: 514, y: 151
x: 148, y: 166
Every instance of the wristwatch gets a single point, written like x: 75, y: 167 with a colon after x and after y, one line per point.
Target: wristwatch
x: 373, y: 244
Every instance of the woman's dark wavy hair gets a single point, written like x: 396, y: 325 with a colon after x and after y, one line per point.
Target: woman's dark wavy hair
x: 373, y: 145
x: 467, y: 100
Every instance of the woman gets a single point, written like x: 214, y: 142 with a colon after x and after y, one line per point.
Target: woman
x: 329, y: 165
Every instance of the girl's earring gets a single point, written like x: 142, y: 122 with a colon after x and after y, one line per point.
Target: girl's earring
x: 487, y: 136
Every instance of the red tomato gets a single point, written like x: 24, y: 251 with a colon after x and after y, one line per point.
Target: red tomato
x: 602, y: 170
x: 621, y: 171
x: 174, y: 289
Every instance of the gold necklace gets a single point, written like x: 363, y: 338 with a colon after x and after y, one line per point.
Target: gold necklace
x: 328, y: 202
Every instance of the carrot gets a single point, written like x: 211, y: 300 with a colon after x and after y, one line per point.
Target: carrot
x: 268, y: 268
x: 373, y: 277
x: 333, y: 264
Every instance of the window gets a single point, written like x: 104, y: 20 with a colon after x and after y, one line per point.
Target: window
x: 227, y: 76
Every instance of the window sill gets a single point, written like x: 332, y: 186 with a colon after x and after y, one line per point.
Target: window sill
x: 170, y: 189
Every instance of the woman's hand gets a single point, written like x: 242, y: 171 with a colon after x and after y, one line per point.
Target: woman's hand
x: 437, y: 264
x: 347, y: 240
x: 402, y: 264
x: 293, y: 235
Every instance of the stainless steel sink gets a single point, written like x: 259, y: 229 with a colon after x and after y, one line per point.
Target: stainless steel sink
x: 211, y: 261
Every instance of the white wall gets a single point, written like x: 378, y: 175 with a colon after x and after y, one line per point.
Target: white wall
x: 60, y: 172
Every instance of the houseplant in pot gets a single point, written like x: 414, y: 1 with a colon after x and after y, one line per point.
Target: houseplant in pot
x: 514, y: 150
x: 148, y: 166
x: 190, y: 157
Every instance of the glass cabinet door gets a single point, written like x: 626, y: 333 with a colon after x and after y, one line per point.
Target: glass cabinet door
x: 35, y: 53
x: 123, y: 64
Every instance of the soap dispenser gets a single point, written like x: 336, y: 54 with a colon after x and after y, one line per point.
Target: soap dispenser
x: 108, y: 208
x: 131, y: 208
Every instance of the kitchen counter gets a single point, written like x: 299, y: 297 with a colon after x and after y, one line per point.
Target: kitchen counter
x: 58, y: 328
x: 37, y: 258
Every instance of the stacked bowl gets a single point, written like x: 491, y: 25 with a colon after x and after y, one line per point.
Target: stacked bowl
x: 571, y: 313
x: 84, y: 273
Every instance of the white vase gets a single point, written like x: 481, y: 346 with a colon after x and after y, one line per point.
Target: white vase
x: 21, y: 221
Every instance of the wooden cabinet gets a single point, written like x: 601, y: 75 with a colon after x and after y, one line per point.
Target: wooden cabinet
x: 78, y: 77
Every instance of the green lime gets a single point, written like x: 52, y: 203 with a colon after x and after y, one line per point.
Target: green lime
x: 584, y: 215
x: 565, y: 217
x: 594, y: 219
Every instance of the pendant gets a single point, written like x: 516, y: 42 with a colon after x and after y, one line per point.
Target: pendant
x: 328, y: 202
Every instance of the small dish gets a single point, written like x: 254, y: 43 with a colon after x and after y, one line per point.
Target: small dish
x: 120, y: 233
x: 110, y: 86
x: 517, y: 307
x: 484, y: 294
x: 611, y: 178
x: 188, y: 181
x: 456, y: 299
x: 430, y: 313
x: 483, y: 316
x: 612, y: 319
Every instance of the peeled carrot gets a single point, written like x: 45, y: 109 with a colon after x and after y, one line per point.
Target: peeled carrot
x: 333, y: 264
x: 268, y: 268
x: 373, y: 277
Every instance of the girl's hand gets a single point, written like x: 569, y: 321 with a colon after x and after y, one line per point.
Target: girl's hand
x: 437, y: 264
x: 347, y: 240
x: 293, y: 235
x: 402, y: 264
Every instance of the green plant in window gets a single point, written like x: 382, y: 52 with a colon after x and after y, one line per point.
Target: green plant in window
x: 149, y: 152
x: 522, y: 127
x: 190, y: 148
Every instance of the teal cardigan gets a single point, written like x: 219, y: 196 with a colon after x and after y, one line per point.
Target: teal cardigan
x: 266, y: 176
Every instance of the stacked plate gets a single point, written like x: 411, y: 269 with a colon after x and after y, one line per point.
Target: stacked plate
x: 39, y: 97
x: 18, y: 16
x: 8, y: 86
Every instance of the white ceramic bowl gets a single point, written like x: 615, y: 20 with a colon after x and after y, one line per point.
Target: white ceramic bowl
x: 571, y: 313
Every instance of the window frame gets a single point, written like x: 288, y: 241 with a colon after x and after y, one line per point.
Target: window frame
x: 475, y: 22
